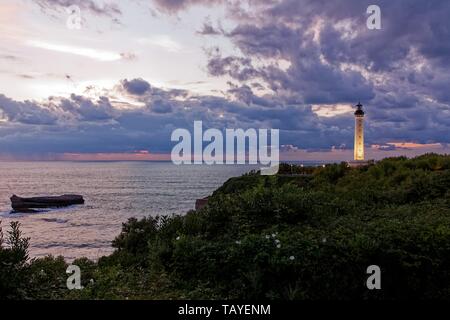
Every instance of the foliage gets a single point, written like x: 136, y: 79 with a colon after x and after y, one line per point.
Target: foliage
x: 309, y: 235
x: 13, y: 259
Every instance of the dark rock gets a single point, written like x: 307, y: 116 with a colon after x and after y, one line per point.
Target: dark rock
x: 28, y: 204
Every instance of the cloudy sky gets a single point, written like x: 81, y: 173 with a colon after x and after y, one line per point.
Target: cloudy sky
x: 117, y: 86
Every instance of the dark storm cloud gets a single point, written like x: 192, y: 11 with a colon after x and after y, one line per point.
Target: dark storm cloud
x: 87, y: 110
x: 27, y: 112
x: 161, y: 106
x: 329, y: 56
x: 173, y: 6
x: 308, y: 79
x: 136, y: 86
x: 78, y: 124
x: 291, y: 55
x: 236, y: 67
x: 209, y: 30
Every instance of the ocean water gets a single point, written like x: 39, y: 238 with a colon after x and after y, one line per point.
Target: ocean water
x: 113, y: 193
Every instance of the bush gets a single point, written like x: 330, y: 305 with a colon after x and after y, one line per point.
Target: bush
x: 13, y: 263
x: 311, y: 235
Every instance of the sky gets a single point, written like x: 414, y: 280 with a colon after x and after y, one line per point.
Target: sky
x: 116, y: 86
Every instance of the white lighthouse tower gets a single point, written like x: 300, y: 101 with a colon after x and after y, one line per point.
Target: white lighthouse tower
x: 359, y: 133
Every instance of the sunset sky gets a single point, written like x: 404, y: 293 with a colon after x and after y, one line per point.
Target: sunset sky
x: 116, y: 88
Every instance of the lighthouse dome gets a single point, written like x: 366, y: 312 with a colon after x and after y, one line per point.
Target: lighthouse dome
x: 359, y: 111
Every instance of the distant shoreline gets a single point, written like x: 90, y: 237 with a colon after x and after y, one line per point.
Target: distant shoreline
x: 309, y: 162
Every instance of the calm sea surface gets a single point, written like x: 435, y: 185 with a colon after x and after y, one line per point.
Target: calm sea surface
x: 113, y: 192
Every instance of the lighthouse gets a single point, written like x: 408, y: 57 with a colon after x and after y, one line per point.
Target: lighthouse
x: 359, y: 133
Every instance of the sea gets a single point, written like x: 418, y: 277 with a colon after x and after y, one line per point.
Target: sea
x: 113, y: 193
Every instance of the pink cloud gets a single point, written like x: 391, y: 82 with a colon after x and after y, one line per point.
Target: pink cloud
x: 141, y: 155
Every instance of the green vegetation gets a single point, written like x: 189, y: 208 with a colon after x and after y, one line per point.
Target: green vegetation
x: 306, y: 236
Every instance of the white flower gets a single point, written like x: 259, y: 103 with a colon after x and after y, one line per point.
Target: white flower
x: 267, y: 236
x: 278, y: 246
x: 291, y: 258
x: 178, y: 238
x: 324, y: 240
x: 273, y: 235
x: 91, y: 281
x: 238, y: 242
x: 277, y: 241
